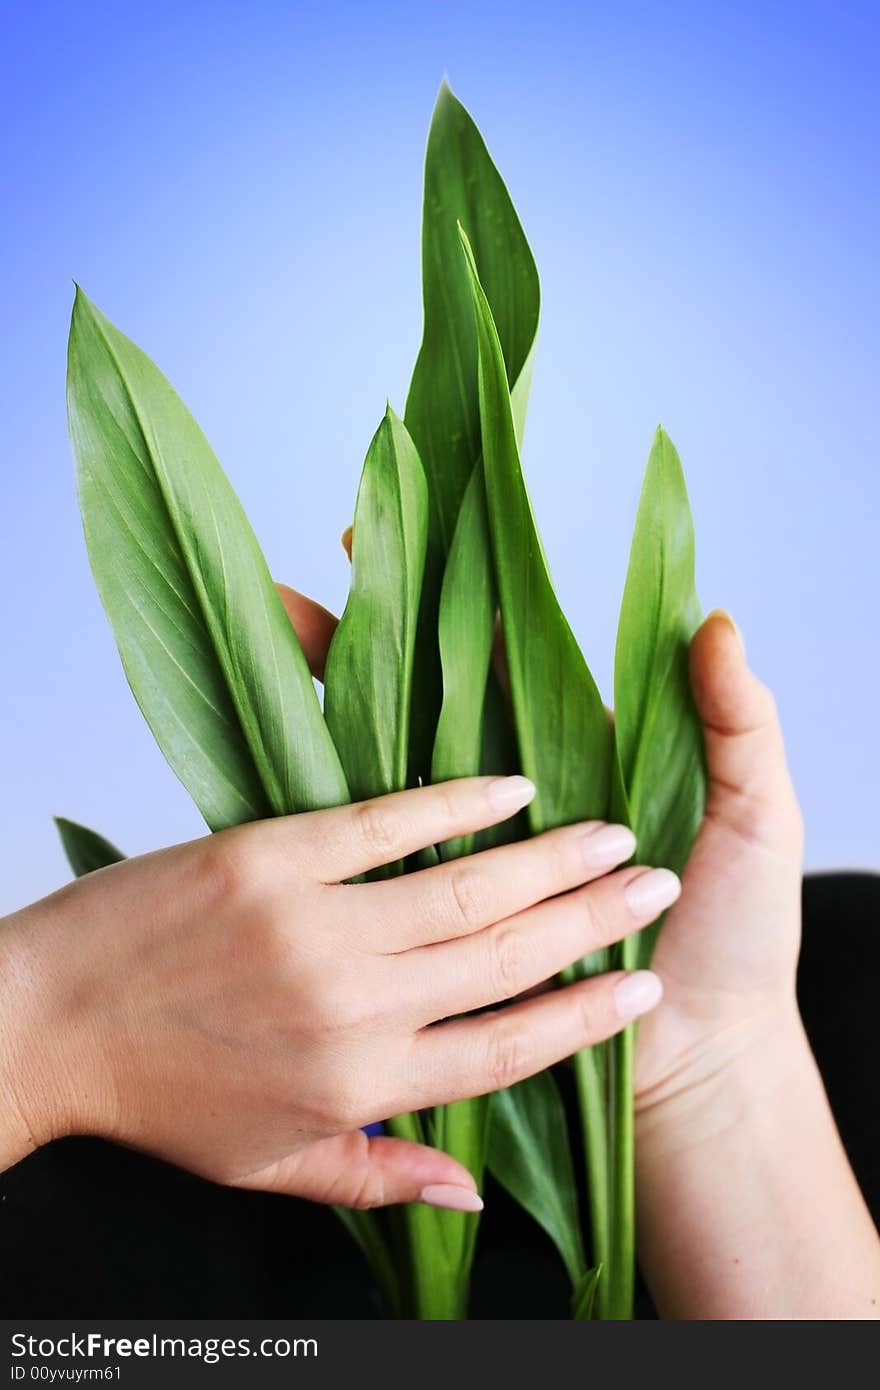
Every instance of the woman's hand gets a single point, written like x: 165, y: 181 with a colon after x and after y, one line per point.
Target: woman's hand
x: 747, y: 1205
x: 233, y: 1006
x: 728, y: 950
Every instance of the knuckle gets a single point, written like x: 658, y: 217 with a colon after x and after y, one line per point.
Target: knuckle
x: 771, y: 706
x: 562, y: 854
x: 590, y: 1017
x: 468, y: 896
x: 449, y: 797
x: 769, y: 709
x: 603, y: 916
x: 378, y: 826
x: 510, y: 1055
x: 229, y: 867
x: 510, y: 959
x: 370, y: 1190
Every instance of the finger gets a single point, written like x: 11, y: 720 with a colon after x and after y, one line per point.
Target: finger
x: 745, y: 752
x: 514, y: 955
x: 346, y: 539
x: 465, y: 895
x: 313, y: 625
x: 352, y: 1170
x: 470, y: 1057
x: 350, y: 840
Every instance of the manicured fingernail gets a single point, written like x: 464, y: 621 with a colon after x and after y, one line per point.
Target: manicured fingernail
x: 510, y: 793
x: 607, y: 845
x: 648, y: 894
x: 450, y: 1197
x: 635, y: 994
x: 725, y: 616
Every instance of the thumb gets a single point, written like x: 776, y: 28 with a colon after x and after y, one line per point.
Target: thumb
x: 355, y: 1170
x: 749, y: 784
x: 313, y: 625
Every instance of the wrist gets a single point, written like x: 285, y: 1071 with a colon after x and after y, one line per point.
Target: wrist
x: 36, y: 1063
x: 726, y: 1081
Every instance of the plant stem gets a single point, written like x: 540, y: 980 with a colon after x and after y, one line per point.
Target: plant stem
x: 438, y: 1286
x: 589, y: 1070
x: 620, y: 1284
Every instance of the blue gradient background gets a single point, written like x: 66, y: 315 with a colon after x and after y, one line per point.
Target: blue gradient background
x: 238, y: 186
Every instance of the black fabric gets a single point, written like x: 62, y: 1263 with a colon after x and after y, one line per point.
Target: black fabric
x: 89, y: 1229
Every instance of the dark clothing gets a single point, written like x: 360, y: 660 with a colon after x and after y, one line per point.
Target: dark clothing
x: 91, y: 1229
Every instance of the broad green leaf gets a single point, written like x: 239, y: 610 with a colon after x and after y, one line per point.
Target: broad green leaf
x: 368, y: 696
x: 659, y: 741
x: 466, y: 630
x: 368, y: 681
x: 584, y: 1297
x: 442, y: 408
x: 561, y: 725
x: 206, y: 645
x: 530, y: 1156
x: 474, y: 732
x: 462, y: 1130
x: 85, y: 849
x: 658, y: 784
x: 562, y: 729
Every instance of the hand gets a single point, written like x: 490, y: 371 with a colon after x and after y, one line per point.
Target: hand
x: 233, y: 1006
x: 747, y: 1206
x: 727, y: 952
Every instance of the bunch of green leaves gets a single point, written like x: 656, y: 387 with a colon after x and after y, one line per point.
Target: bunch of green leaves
x: 446, y: 555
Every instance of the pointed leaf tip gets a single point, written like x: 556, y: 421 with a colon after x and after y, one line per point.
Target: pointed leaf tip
x: 445, y: 94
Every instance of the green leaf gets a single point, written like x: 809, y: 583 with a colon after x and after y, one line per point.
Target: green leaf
x: 85, y: 849
x: 562, y: 729
x: 368, y: 681
x: 659, y: 741
x: 466, y: 630
x: 442, y: 408
x: 473, y: 731
x: 208, y: 650
x: 658, y: 784
x: 584, y: 1295
x: 561, y: 724
x: 530, y: 1156
x: 461, y: 1129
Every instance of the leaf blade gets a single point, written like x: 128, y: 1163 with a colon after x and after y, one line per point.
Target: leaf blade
x: 658, y: 737
x: 462, y: 184
x: 529, y: 1155
x: 85, y: 849
x: 205, y: 644
x: 547, y: 669
x: 442, y: 407
x: 368, y: 679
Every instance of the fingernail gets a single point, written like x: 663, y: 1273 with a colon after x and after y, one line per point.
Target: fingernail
x: 450, y: 1197
x: 723, y: 614
x: 607, y: 845
x: 510, y: 793
x: 635, y: 994
x: 648, y: 894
